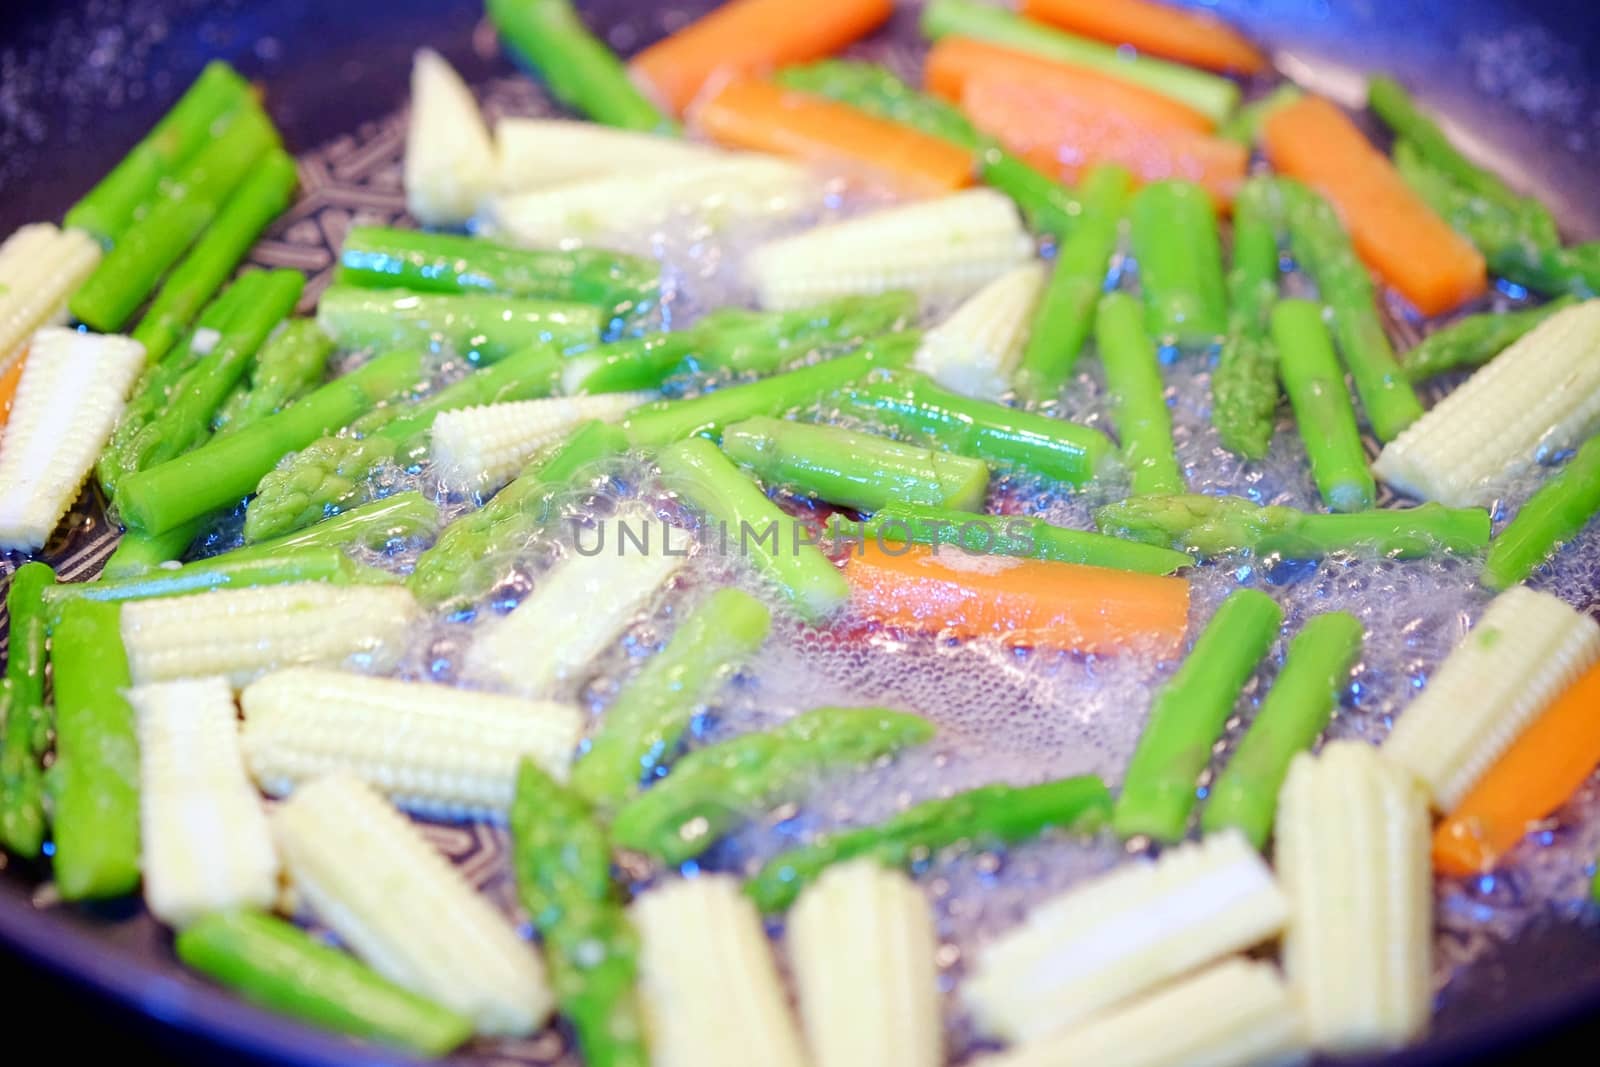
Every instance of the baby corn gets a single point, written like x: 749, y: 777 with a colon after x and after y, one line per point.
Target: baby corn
x: 449, y: 164
x: 482, y: 448
x: 975, y: 350
x: 40, y: 267
x: 543, y: 153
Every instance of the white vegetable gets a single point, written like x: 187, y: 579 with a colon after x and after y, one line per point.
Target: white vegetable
x: 541, y: 153
x: 40, y: 268
x: 450, y: 161
x: 482, y: 448
x: 975, y: 350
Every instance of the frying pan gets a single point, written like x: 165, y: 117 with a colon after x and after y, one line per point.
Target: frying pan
x: 80, y: 81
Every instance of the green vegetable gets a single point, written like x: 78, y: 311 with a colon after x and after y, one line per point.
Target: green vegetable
x: 373, y: 525
x: 758, y: 342
x: 1244, y: 387
x: 644, y: 725
x: 627, y: 365
x: 1244, y: 126
x: 222, y: 572
x: 712, y: 789
x: 278, y: 966
x: 1138, y: 397
x: 287, y: 367
x: 1552, y: 516
x: 1327, y: 422
x: 1188, y: 716
x: 1175, y: 241
x: 138, y: 552
x: 989, y: 815
x: 1294, y: 713
x: 483, y: 327
x: 25, y: 725
x: 1476, y: 339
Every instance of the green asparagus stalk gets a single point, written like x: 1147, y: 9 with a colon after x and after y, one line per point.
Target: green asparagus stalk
x: 711, y: 790
x: 184, y: 207
x: 1322, y: 248
x: 759, y: 342
x: 1018, y: 535
x: 1295, y: 712
x: 745, y: 520
x: 627, y: 365
x: 463, y: 563
x: 1212, y: 526
x: 646, y: 722
x: 988, y: 816
x: 851, y: 469
x: 561, y: 856
x: 259, y: 199
x: 1244, y: 126
x: 226, y: 469
x: 287, y: 367
x: 374, y: 526
x: 995, y: 433
x: 138, y: 552
x: 110, y: 206
x: 1188, y: 715
x: 278, y: 966
x: 580, y: 70
x: 1551, y: 517
x: 1244, y: 387
x: 1476, y: 339
x: 1322, y: 409
x: 94, y: 782
x: 480, y: 326
x: 1175, y: 240
x: 298, y: 565
x: 1138, y: 399
x: 25, y: 726
x: 1066, y: 310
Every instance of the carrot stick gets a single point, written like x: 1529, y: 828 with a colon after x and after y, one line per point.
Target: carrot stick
x: 760, y: 115
x: 955, y: 61
x: 1396, y: 234
x: 8, y: 385
x: 1191, y: 37
x: 1022, y: 602
x: 751, y: 37
x: 1066, y: 135
x: 1533, y: 778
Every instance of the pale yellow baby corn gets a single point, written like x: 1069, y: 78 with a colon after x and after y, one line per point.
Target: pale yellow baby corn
x: 1352, y: 855
x: 241, y: 633
x: 941, y: 249
x: 431, y: 749
x: 1527, y: 648
x: 707, y: 981
x: 1122, y: 935
x: 975, y: 350
x: 450, y: 160
x: 482, y: 448
x: 365, y: 872
x: 203, y: 834
x: 40, y: 268
x: 541, y: 153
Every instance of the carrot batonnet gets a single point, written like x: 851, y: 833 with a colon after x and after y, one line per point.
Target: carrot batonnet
x: 1535, y: 776
x: 1022, y: 602
x: 954, y: 62
x: 1192, y: 37
x: 751, y: 37
x: 1411, y: 248
x: 764, y: 117
x: 9, y: 378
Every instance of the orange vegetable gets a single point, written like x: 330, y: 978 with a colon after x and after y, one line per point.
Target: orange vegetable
x: 955, y: 61
x: 1066, y: 135
x: 751, y: 37
x: 765, y: 117
x: 1394, y: 231
x: 1192, y: 37
x: 1533, y: 778
x: 1020, y: 601
x: 8, y: 385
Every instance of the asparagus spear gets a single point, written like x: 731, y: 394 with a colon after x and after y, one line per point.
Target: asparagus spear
x: 627, y: 365
x: 287, y: 367
x: 1552, y: 516
x: 375, y: 526
x: 712, y: 789
x: 1175, y: 241
x: 561, y: 856
x: 1476, y: 339
x: 313, y: 564
x: 138, y: 552
x: 1066, y: 310
x: 581, y: 71
x: 1139, y: 403
x: 1321, y: 405
x: 108, y: 208
x: 1244, y: 387
x: 480, y: 326
x: 986, y: 816
x: 1211, y: 526
x: 280, y: 967
x: 644, y: 725
x: 758, y: 342
x: 25, y: 726
x: 1292, y: 716
x: 1244, y: 125
x: 1188, y: 715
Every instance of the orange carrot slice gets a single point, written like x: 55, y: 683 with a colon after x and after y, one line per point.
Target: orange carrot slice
x: 9, y: 378
x: 751, y: 37
x: 1065, y: 135
x: 1395, y: 233
x: 1022, y: 602
x: 765, y: 117
x: 955, y: 61
x: 1533, y: 778
x: 1192, y: 37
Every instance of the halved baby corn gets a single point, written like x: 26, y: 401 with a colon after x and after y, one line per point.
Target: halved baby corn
x: 241, y: 633
x: 1352, y: 857
x: 1537, y: 398
x: 205, y: 841
x: 73, y: 389
x: 40, y: 267
x: 450, y: 161
x: 1527, y: 648
x: 484, y: 447
x: 862, y: 944
x: 710, y: 988
x: 1123, y: 934
x: 941, y: 249
x: 431, y: 749
x: 366, y: 873
x: 976, y: 349
x: 543, y: 153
